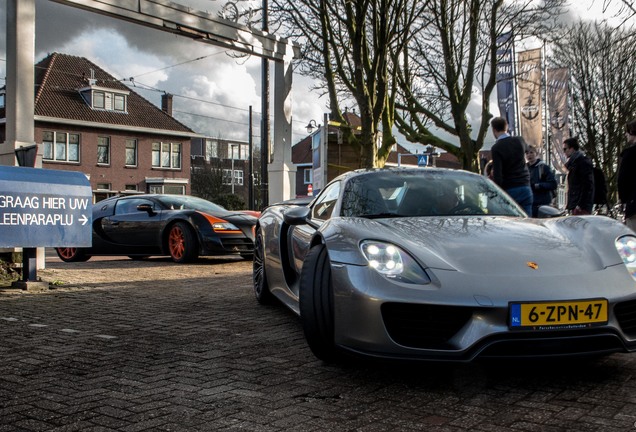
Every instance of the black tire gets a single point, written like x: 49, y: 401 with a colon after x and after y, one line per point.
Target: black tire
x: 72, y: 254
x: 259, y: 279
x: 182, y: 243
x: 316, y: 304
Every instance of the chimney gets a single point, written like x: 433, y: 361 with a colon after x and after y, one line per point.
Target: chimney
x: 166, y: 103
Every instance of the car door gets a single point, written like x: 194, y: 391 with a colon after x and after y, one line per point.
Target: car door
x: 134, y: 227
x: 300, y: 236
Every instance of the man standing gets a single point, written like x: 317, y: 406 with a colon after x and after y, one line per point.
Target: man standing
x: 627, y: 176
x: 542, y: 180
x: 580, y: 179
x: 509, y: 168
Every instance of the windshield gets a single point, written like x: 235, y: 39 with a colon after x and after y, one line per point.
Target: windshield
x: 183, y: 202
x: 425, y: 193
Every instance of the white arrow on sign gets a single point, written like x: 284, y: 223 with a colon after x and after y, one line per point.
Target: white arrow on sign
x: 83, y: 219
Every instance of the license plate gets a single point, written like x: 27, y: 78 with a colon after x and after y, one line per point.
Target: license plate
x: 566, y: 314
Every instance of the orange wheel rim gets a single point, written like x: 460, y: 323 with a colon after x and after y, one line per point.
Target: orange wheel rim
x: 67, y: 252
x: 176, y: 242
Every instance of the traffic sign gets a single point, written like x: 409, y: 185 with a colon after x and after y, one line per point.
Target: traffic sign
x: 422, y: 160
x: 44, y: 208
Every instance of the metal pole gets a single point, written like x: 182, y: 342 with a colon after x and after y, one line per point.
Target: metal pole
x: 546, y: 115
x: 250, y: 167
x: 264, y: 118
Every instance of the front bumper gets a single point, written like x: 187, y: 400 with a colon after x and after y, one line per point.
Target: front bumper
x: 463, y: 318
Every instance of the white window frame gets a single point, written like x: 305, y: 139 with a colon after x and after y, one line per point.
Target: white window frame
x: 308, y: 174
x: 167, y: 155
x: 134, y: 148
x: 54, y: 147
x: 106, y: 144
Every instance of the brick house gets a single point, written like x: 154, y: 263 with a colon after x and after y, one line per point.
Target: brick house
x: 86, y: 120
x: 341, y: 158
x: 231, y: 156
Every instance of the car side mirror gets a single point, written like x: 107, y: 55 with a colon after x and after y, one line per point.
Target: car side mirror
x: 297, y: 215
x: 546, y: 211
x: 146, y: 207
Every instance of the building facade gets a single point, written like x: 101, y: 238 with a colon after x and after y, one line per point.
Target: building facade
x: 86, y: 120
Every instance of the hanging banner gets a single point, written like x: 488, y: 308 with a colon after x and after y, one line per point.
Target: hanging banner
x: 505, y: 80
x: 529, y: 91
x: 558, y: 90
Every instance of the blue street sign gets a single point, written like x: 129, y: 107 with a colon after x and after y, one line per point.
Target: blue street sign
x: 422, y: 160
x: 44, y: 208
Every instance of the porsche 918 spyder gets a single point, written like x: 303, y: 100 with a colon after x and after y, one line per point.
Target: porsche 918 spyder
x: 182, y: 227
x: 439, y: 264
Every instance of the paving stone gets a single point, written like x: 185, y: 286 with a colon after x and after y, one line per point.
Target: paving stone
x: 191, y: 350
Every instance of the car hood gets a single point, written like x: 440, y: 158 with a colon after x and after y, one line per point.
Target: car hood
x: 495, y: 245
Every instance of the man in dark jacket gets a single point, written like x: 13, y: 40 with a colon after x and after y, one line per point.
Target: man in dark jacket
x: 542, y: 180
x: 509, y: 168
x: 627, y: 176
x: 580, y: 179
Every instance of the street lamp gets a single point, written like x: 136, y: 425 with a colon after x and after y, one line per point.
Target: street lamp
x: 311, y: 126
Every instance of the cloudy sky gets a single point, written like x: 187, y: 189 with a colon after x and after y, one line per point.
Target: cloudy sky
x: 212, y: 90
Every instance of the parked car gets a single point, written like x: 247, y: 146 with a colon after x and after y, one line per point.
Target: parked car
x: 441, y: 264
x: 183, y: 227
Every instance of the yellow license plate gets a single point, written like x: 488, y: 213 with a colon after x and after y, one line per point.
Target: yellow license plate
x: 571, y: 314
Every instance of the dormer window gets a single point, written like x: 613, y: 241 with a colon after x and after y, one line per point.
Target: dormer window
x: 101, y: 98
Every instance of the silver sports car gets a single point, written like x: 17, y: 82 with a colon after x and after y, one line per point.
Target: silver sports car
x: 442, y: 264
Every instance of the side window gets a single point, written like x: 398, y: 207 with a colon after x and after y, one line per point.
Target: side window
x: 324, y: 206
x: 127, y: 206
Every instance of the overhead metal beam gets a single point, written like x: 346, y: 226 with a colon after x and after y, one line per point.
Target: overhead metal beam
x: 194, y: 24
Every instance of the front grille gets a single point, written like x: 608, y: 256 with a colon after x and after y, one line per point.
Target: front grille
x: 553, y: 344
x: 626, y: 315
x: 238, y: 244
x: 424, y: 326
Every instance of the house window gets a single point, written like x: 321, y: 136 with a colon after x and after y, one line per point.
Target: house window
x: 99, y: 100
x: 103, y: 186
x: 60, y: 146
x: 238, y: 177
x: 211, y: 149
x: 119, y: 102
x: 103, y: 150
x: 2, y: 96
x: 130, y: 187
x: 167, y: 188
x: 238, y: 151
x: 131, y: 152
x: 307, y: 176
x: 166, y: 155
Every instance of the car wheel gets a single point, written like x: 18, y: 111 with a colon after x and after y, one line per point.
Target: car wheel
x: 259, y: 279
x: 316, y: 304
x: 182, y: 244
x: 72, y: 254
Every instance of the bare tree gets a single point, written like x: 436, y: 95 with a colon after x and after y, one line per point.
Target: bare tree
x: 351, y: 47
x: 450, y: 65
x: 603, y: 90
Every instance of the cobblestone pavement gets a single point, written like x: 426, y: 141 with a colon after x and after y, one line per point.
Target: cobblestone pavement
x: 122, y: 345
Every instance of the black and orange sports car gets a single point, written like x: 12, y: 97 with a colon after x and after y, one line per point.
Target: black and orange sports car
x: 179, y: 226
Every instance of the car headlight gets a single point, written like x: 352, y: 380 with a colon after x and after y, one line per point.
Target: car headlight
x: 220, y: 225
x: 626, y: 247
x: 393, y: 263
